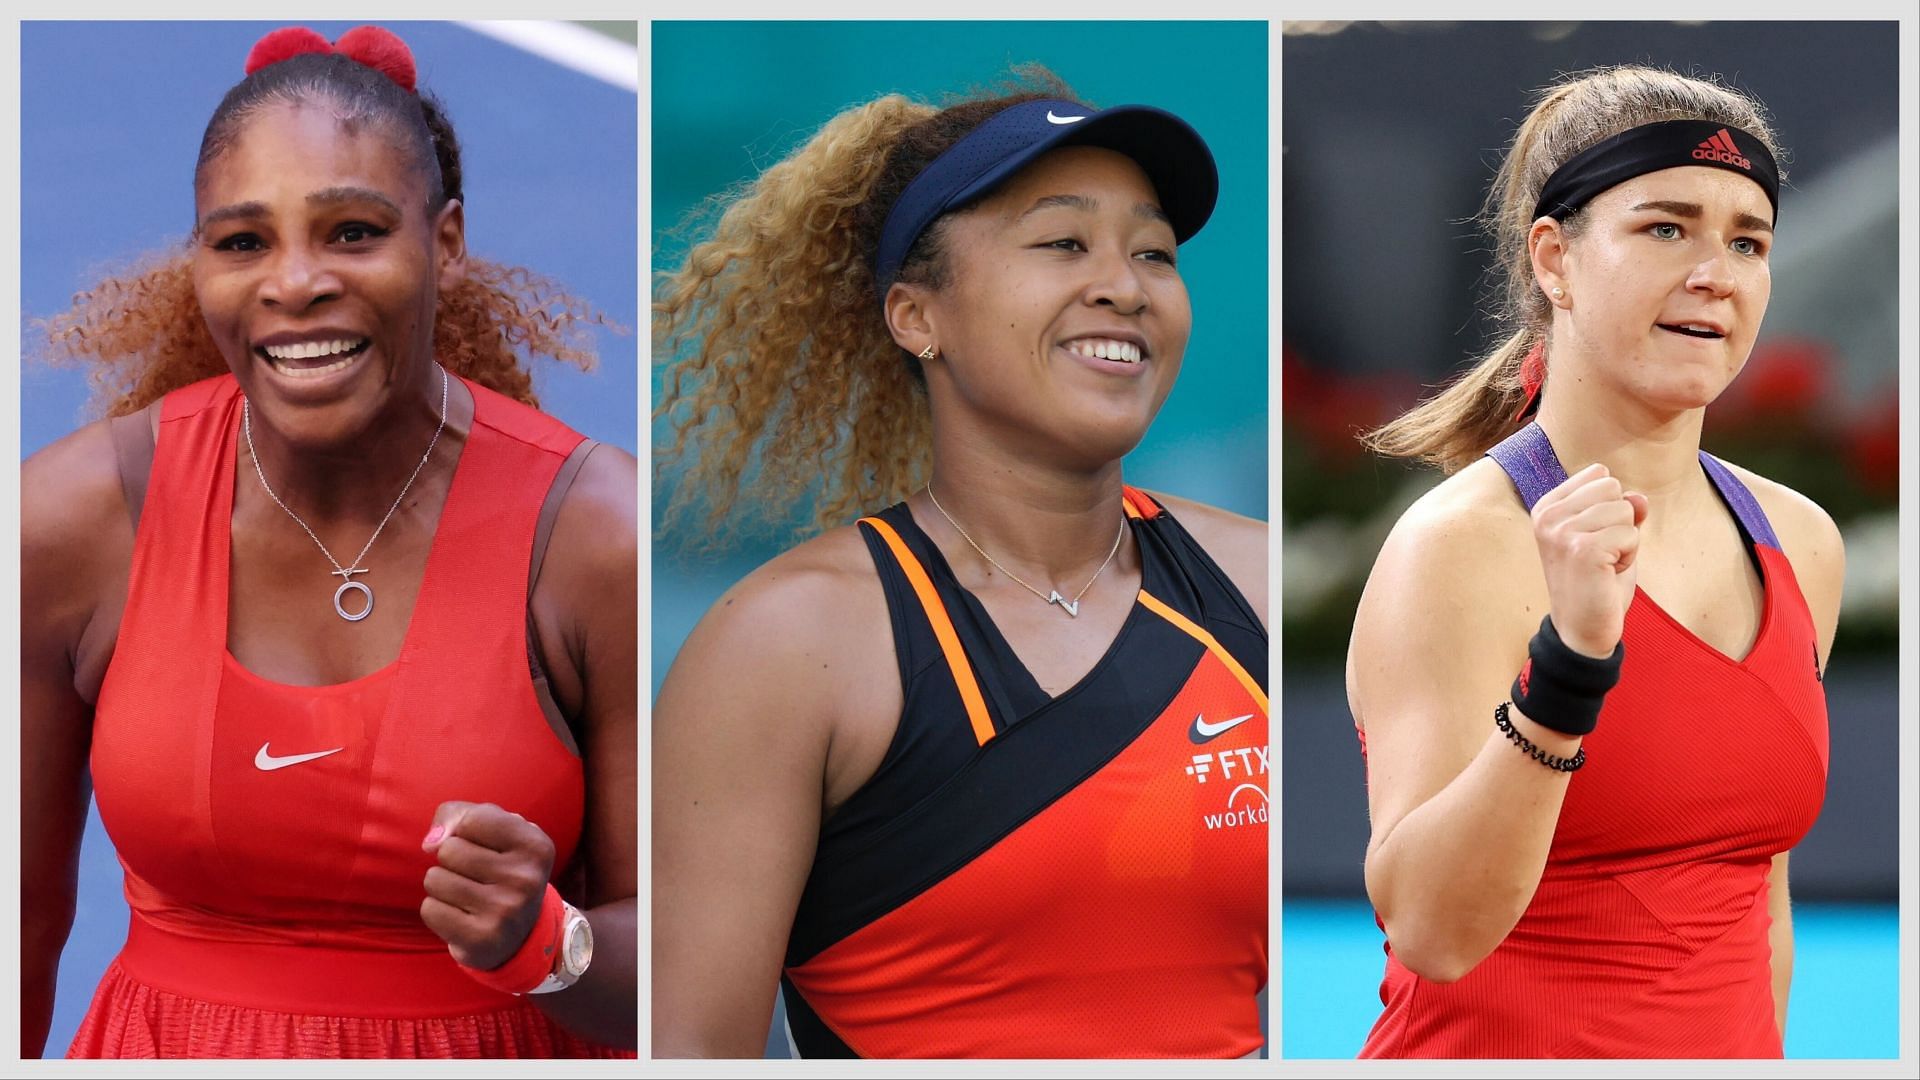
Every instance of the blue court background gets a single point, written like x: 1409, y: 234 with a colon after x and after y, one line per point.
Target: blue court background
x: 731, y: 99
x: 110, y: 122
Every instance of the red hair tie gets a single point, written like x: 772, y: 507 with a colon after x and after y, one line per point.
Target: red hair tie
x: 1533, y: 372
x: 379, y: 49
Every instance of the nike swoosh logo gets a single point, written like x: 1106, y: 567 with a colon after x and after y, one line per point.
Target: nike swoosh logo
x: 1052, y: 119
x: 266, y: 762
x: 1205, y: 732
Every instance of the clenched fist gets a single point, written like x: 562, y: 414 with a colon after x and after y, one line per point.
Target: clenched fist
x: 485, y: 894
x: 1588, y: 530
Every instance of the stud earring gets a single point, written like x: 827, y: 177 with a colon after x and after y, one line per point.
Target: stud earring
x: 929, y: 353
x: 1558, y: 292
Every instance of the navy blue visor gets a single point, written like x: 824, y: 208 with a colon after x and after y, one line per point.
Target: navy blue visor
x: 1166, y: 148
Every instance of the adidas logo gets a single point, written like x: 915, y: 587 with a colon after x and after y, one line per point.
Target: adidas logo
x: 1720, y: 148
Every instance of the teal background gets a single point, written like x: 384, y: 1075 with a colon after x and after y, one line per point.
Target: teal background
x: 731, y: 99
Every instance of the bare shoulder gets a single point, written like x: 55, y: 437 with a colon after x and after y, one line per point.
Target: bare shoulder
x: 810, y: 625
x: 1810, y: 539
x: 598, y: 525
x: 1237, y: 543
x: 1805, y: 528
x: 816, y: 585
x: 1456, y: 584
x: 76, y: 555
x: 1469, y: 528
x: 71, y: 487
x: 74, y: 523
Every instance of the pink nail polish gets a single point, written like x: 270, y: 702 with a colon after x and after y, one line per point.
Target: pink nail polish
x: 435, y: 834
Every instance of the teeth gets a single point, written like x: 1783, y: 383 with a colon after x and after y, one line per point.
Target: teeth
x: 309, y: 350
x: 1106, y: 349
x: 304, y: 372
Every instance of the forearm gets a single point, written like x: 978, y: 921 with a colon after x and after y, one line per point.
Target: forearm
x: 603, y: 1006
x: 36, y: 1010
x: 42, y: 938
x: 49, y: 892
x: 1454, y: 875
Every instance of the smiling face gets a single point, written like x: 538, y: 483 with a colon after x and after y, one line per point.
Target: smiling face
x: 317, y: 267
x: 1064, y: 319
x: 1666, y: 283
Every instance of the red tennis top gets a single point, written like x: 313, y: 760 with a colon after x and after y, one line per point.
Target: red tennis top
x: 1648, y: 934
x: 1079, y: 875
x: 276, y: 902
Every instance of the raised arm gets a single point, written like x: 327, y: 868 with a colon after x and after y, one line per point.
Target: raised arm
x: 1462, y: 818
x: 486, y: 890
x: 76, y: 542
x: 597, y: 539
x: 753, y: 736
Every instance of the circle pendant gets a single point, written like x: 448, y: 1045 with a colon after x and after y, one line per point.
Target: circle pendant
x: 341, y: 609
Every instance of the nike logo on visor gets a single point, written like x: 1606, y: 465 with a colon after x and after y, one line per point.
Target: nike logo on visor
x: 266, y: 762
x: 1052, y: 119
x: 1205, y: 732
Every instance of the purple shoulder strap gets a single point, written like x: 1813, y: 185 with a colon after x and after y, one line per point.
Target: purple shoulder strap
x: 1535, y: 469
x: 1746, y: 509
x: 1530, y: 463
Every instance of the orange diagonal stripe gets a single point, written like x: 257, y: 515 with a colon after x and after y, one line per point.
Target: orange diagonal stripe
x: 1199, y: 633
x: 942, y: 629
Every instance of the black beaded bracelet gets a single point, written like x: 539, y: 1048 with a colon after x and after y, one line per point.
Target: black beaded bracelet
x: 1551, y: 761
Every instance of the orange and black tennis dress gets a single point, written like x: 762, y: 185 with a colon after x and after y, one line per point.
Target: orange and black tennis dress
x: 1031, y: 876
x: 270, y: 834
x: 1648, y: 934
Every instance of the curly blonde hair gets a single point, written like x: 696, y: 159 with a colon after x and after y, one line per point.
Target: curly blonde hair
x: 144, y: 335
x: 782, y: 384
x: 1452, y: 428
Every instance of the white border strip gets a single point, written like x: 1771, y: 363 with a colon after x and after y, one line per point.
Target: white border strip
x: 571, y: 46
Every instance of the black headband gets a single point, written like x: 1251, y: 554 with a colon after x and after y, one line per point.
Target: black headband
x: 1649, y: 148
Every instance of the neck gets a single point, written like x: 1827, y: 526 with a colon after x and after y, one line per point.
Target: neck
x: 1657, y: 455
x: 1050, y: 525
x: 358, y: 478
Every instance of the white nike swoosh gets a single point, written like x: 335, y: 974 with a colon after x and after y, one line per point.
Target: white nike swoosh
x: 1052, y: 119
x: 1208, y: 731
x: 266, y: 762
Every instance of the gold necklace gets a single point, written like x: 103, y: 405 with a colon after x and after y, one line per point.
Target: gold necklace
x: 1052, y: 596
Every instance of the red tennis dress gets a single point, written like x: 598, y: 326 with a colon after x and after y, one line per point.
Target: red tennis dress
x: 1081, y: 875
x: 270, y: 834
x: 1648, y: 934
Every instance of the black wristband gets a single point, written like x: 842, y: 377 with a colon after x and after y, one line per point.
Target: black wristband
x: 1562, y: 689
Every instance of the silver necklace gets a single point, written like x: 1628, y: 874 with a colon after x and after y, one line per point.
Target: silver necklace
x: 246, y: 425
x: 1052, y: 596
